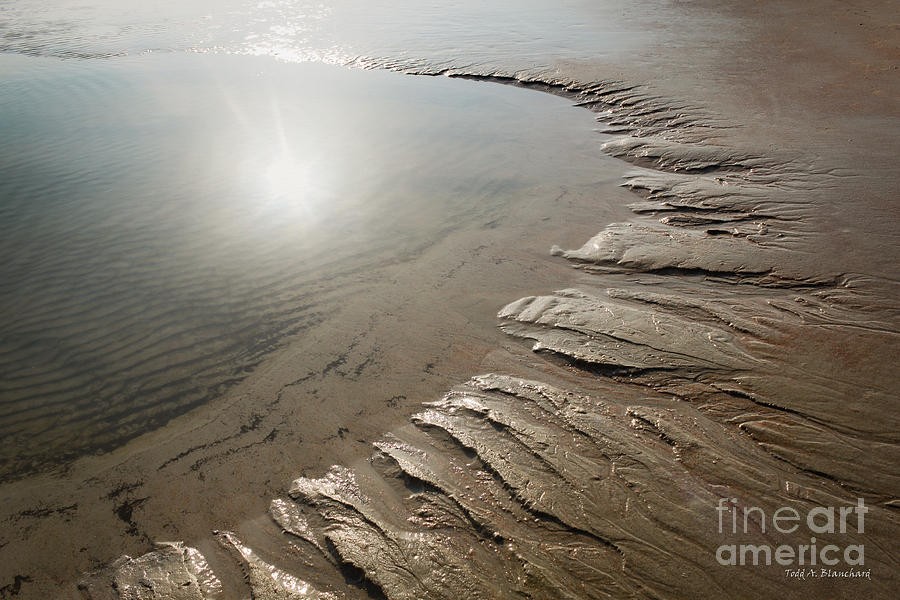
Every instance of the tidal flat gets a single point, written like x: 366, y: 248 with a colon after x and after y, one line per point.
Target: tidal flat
x: 713, y: 335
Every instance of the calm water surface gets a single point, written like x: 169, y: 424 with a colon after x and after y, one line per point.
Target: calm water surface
x: 167, y: 219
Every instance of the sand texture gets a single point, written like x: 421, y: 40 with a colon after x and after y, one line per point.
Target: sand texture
x: 730, y: 333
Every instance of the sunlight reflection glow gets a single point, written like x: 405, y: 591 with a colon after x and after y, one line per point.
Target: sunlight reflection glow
x: 290, y: 23
x: 288, y: 178
x: 297, y: 54
x: 296, y: 188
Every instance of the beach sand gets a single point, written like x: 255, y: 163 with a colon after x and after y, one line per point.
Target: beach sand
x: 750, y: 353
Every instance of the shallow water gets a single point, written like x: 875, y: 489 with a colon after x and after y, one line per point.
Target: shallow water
x: 336, y: 30
x: 168, y: 219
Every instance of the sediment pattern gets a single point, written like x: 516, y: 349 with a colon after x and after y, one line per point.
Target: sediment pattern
x: 706, y: 342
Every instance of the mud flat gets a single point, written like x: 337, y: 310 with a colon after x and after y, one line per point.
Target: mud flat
x: 727, y: 348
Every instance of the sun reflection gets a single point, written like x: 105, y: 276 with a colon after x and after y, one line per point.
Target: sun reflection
x: 294, y: 188
x: 287, y: 177
x: 290, y: 31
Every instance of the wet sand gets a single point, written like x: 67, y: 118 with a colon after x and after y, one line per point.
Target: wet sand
x: 743, y: 346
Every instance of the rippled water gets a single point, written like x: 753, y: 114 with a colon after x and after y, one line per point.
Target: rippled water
x: 168, y: 219
x: 335, y: 30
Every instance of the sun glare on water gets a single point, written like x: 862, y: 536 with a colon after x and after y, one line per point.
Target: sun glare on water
x: 294, y: 188
x: 288, y: 178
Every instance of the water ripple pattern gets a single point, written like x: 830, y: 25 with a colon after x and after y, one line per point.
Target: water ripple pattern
x: 170, y: 219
